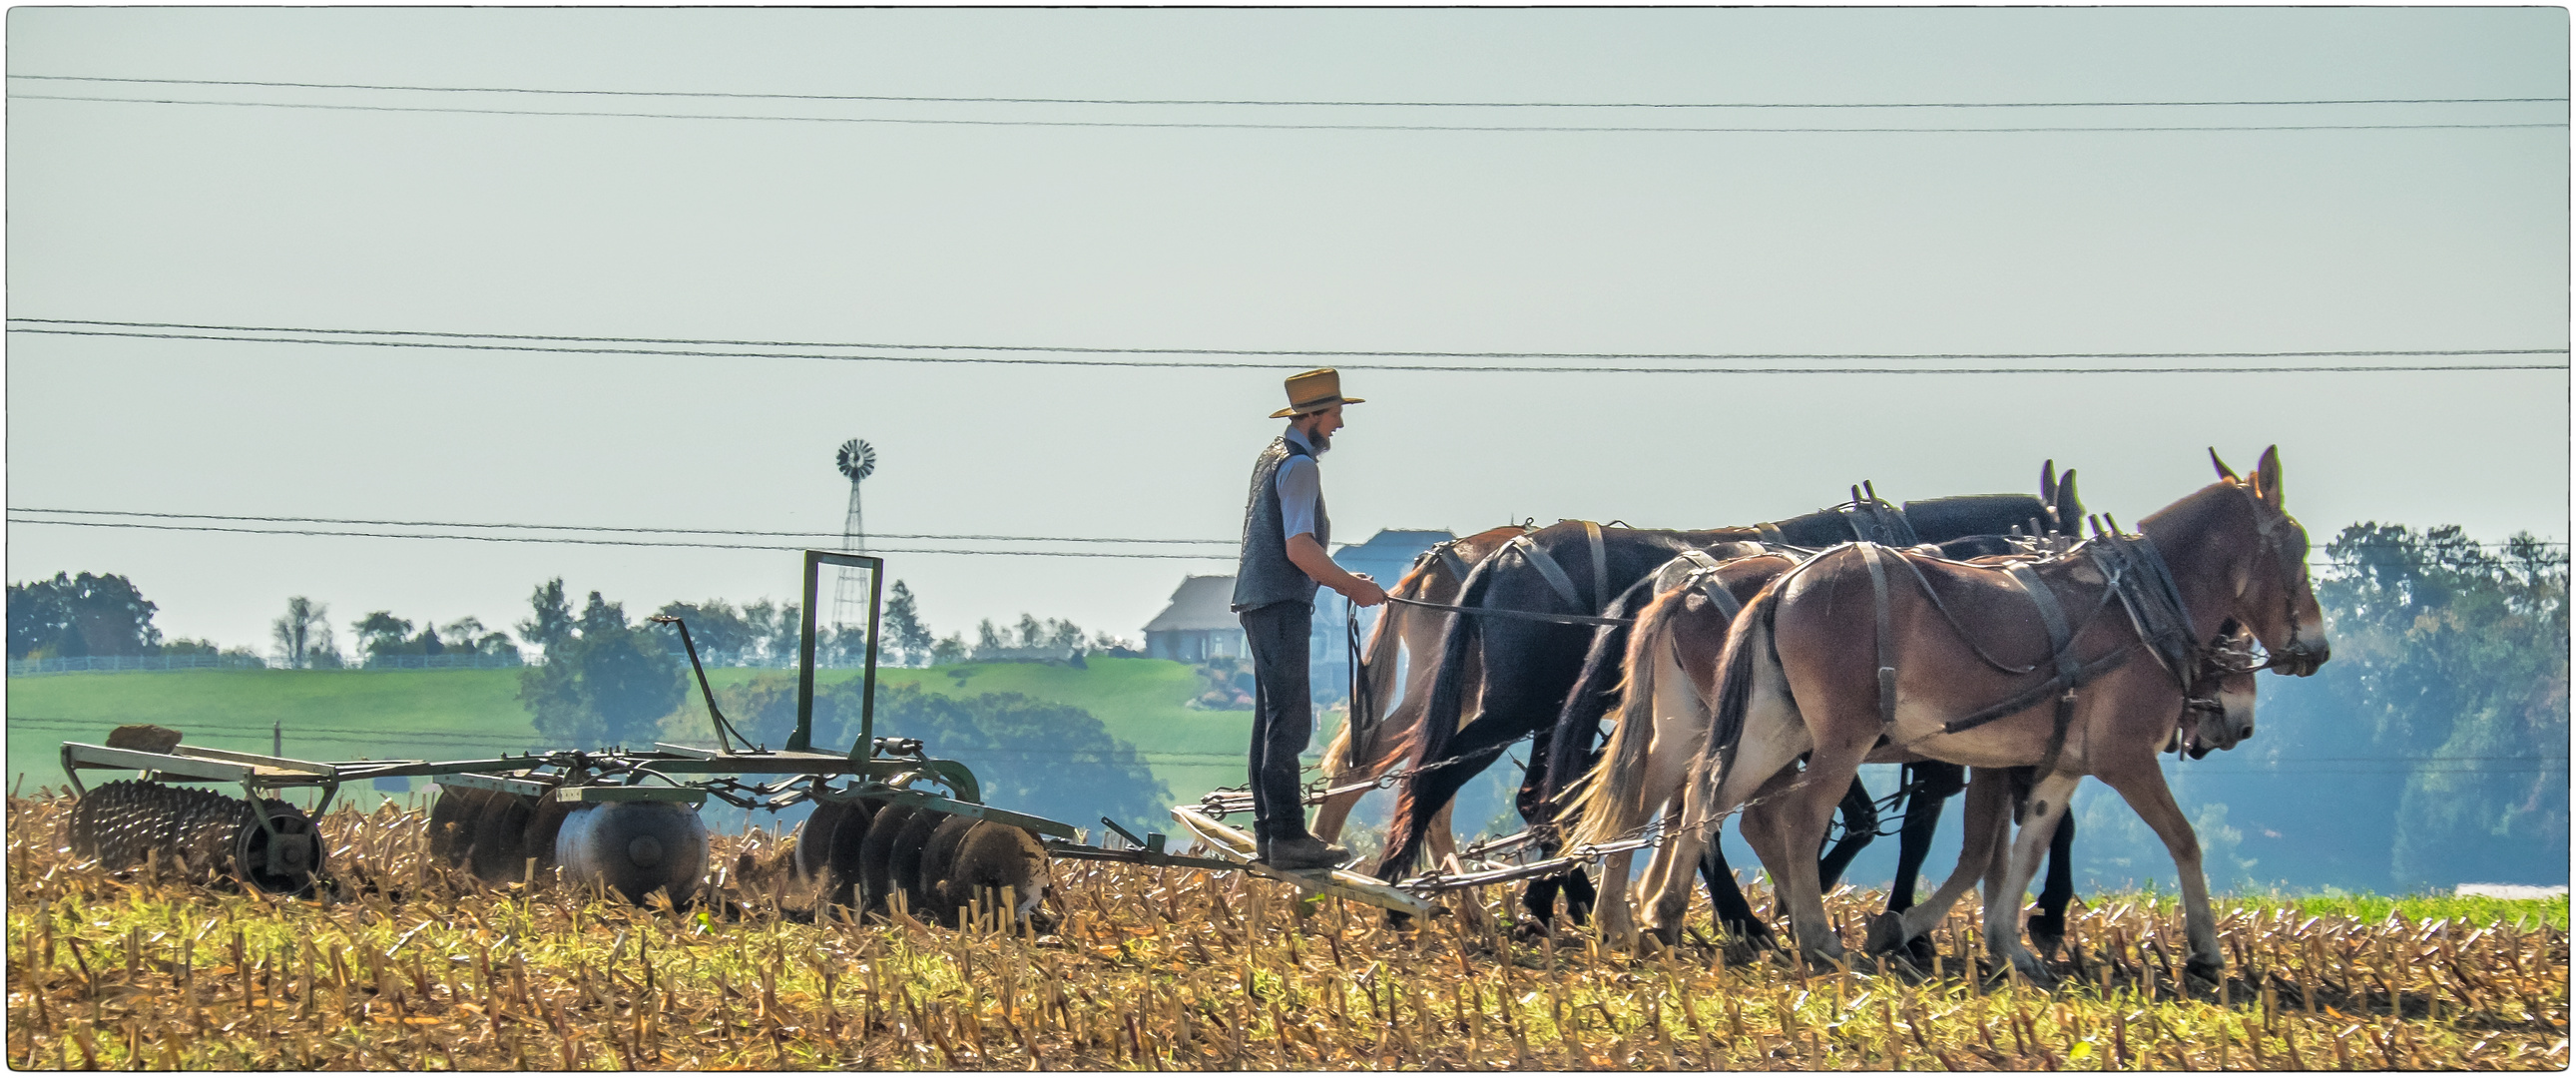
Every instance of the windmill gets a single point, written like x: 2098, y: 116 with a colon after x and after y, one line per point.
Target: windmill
x: 856, y: 460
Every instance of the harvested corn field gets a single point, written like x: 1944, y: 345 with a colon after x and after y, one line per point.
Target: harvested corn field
x: 398, y: 962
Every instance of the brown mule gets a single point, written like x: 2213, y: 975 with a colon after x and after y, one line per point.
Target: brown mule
x: 1663, y: 719
x: 1389, y: 743
x: 1806, y: 661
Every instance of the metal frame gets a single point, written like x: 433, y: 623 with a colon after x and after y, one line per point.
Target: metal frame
x: 874, y: 768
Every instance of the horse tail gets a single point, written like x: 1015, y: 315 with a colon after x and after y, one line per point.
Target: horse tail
x: 1440, y: 715
x: 1596, y: 691
x: 1752, y: 630
x: 1610, y: 802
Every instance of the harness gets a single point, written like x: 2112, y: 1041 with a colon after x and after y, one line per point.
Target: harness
x: 2134, y: 573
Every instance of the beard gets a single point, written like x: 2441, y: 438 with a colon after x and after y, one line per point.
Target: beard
x: 1316, y: 438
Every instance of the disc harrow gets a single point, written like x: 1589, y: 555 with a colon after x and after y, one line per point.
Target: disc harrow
x: 135, y: 824
x: 892, y: 828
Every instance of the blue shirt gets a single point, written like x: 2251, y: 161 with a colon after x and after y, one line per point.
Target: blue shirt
x: 1299, y: 484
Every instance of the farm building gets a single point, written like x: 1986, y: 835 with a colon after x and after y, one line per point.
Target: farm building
x: 1199, y: 624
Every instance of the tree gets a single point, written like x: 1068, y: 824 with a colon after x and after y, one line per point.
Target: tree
x: 599, y: 616
x: 723, y: 636
x: 381, y: 633
x: 550, y: 620
x: 987, y: 638
x: 949, y: 651
x: 304, y: 629
x: 775, y: 629
x: 607, y: 684
x: 908, y: 641
x: 469, y: 634
x: 86, y: 615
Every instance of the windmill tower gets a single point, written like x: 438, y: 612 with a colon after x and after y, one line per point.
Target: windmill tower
x: 856, y: 460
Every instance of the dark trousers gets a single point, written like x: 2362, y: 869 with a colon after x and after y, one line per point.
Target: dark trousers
x: 1283, y: 715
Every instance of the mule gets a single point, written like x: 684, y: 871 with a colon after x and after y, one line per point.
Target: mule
x: 1808, y: 668
x: 1364, y: 752
x: 1662, y: 719
x: 1528, y: 668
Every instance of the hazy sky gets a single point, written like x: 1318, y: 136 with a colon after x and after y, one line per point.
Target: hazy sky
x: 2307, y: 228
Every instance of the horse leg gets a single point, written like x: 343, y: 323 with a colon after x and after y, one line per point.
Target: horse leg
x: 1934, y: 782
x: 1734, y: 914
x: 2003, y: 909
x: 1804, y: 813
x: 1770, y: 743
x: 2048, y: 927
x: 1987, y: 823
x: 1442, y: 838
x: 1860, y: 825
x: 2145, y: 790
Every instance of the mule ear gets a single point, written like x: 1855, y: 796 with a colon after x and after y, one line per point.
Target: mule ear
x: 2224, y: 472
x: 2069, y: 507
x: 2048, y: 481
x: 2267, y: 478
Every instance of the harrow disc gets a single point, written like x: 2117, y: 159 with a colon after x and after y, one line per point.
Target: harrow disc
x: 451, y: 822
x: 500, y: 852
x: 131, y: 823
x: 634, y: 848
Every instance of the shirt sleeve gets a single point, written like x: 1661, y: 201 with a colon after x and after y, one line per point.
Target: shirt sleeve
x: 1298, y: 483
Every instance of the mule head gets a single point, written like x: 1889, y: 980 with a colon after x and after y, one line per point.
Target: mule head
x: 2273, y: 596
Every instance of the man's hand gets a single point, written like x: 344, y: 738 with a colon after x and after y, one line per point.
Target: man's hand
x: 1308, y: 555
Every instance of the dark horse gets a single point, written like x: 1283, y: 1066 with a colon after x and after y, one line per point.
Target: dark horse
x: 1531, y: 667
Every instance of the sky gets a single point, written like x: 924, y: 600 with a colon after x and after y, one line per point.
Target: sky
x: 656, y: 194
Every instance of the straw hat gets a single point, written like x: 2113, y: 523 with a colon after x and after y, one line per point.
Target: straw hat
x: 1313, y: 391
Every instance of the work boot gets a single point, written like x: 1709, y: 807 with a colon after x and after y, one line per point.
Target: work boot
x: 1301, y: 853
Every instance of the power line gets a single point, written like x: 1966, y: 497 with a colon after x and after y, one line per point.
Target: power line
x: 1225, y: 556
x: 923, y: 98
x: 914, y: 121
x: 569, y: 540
x: 626, y: 529
x: 611, y: 346
x: 599, y: 527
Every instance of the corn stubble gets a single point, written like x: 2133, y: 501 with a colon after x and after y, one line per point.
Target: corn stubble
x: 402, y: 964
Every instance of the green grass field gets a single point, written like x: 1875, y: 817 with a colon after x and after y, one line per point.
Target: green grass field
x: 457, y: 714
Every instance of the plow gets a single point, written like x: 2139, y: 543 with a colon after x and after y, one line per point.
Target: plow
x: 890, y: 823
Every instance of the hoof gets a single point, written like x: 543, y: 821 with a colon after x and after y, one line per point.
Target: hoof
x: 1886, y: 934
x: 2034, y: 971
x: 2047, y: 933
x: 2206, y: 974
x: 1919, y: 951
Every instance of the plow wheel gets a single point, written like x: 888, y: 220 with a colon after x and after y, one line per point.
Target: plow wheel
x: 500, y: 850
x: 545, y: 822
x: 451, y: 822
x: 634, y: 848
x: 815, y: 840
x: 131, y: 823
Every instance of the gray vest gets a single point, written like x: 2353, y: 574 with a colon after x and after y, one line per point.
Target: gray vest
x: 1265, y: 575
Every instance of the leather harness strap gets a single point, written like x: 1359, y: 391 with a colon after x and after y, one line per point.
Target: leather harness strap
x: 1704, y: 577
x: 1600, y: 566
x: 1548, y: 569
x: 1449, y: 556
x: 2060, y: 637
x: 1886, y: 633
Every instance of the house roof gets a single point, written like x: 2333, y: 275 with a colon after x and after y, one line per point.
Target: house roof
x: 1201, y: 602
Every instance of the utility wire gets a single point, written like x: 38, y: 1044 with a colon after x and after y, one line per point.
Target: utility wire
x: 1294, y: 104
x: 1227, y: 543
x: 1226, y: 556
x: 15, y: 519
x: 600, y: 527
x: 1214, y: 125
x: 514, y: 343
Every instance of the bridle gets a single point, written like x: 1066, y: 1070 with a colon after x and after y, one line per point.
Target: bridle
x: 2270, y: 541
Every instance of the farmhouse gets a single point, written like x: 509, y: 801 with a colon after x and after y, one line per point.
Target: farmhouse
x: 1199, y: 624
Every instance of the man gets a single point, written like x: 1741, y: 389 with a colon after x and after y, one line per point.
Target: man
x: 1284, y: 532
